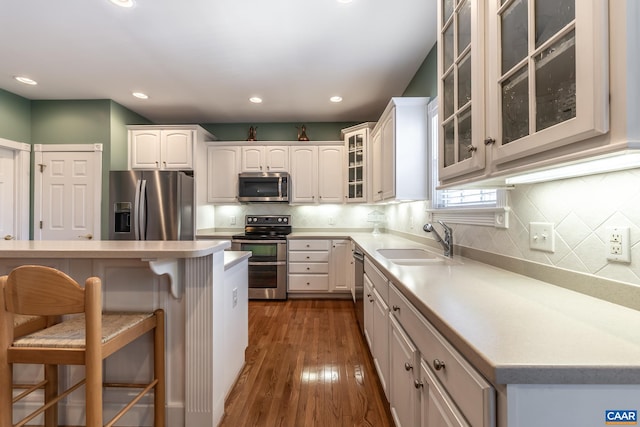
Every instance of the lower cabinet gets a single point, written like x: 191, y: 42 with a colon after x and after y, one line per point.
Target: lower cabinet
x: 452, y: 392
x: 318, y: 266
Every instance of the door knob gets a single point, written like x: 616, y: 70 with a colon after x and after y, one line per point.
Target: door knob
x: 87, y: 236
x: 8, y: 237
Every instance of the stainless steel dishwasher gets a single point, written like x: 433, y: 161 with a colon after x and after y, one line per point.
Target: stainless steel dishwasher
x: 358, y: 257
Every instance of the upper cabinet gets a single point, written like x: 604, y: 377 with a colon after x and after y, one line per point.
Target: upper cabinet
x: 524, y: 94
x: 356, y: 142
x: 316, y: 174
x: 265, y: 159
x: 164, y: 147
x: 398, y: 161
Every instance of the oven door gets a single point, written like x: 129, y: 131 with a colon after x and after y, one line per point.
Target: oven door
x: 267, y: 267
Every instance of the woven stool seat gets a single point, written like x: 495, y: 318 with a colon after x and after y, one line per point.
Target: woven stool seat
x: 71, y: 333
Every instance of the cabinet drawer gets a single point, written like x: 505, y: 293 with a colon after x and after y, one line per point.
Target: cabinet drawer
x: 378, y: 279
x: 309, y: 256
x: 309, y: 245
x: 471, y: 392
x: 308, y: 282
x: 308, y: 267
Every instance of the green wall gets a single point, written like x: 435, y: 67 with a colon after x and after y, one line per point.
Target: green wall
x: 120, y: 118
x: 277, y: 131
x: 15, y: 117
x: 425, y: 81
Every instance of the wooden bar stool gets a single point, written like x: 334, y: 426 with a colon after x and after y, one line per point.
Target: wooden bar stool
x: 85, y: 339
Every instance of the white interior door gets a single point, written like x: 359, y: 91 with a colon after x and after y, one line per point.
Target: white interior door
x: 14, y: 189
x: 67, y: 192
x: 7, y: 194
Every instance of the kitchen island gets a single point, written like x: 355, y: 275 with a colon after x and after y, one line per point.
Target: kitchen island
x: 187, y: 279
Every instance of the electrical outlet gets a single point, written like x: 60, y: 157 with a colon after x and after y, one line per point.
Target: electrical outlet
x: 542, y: 236
x: 618, y: 245
x: 332, y: 220
x: 235, y: 296
x: 232, y: 220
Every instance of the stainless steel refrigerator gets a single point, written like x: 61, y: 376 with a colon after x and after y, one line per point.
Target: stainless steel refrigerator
x: 151, y: 205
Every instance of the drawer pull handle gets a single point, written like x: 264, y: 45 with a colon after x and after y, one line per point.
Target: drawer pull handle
x: 370, y: 299
x: 368, y: 295
x: 396, y: 308
x: 438, y: 364
x: 418, y: 384
x: 308, y: 269
x: 407, y: 366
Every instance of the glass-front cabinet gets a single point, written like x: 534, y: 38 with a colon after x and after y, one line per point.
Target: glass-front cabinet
x: 550, y: 81
x: 461, y: 71
x: 518, y: 78
x: 356, y: 140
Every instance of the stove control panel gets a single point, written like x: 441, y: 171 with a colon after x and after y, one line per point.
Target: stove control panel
x: 268, y: 219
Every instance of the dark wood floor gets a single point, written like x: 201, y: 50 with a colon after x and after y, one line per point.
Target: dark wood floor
x: 306, y: 365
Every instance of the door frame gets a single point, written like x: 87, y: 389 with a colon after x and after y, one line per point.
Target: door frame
x: 38, y: 150
x: 21, y: 182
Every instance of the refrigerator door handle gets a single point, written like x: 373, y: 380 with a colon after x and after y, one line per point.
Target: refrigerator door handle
x: 136, y: 212
x: 143, y: 210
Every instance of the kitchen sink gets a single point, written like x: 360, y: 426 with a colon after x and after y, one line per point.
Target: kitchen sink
x: 414, y: 257
x: 407, y: 254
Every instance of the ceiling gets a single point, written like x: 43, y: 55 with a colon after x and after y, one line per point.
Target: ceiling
x: 200, y: 60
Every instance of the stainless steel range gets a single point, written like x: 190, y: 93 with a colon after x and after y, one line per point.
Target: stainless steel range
x: 266, y: 237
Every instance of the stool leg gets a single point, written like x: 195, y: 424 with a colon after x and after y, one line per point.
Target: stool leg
x: 50, y: 393
x: 159, y: 393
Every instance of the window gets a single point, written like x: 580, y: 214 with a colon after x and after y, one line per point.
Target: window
x: 478, y: 206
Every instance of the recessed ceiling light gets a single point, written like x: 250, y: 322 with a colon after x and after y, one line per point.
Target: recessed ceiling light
x: 345, y: 1
x: 26, y: 80
x: 140, y: 95
x: 255, y: 100
x: 335, y: 99
x: 123, y: 3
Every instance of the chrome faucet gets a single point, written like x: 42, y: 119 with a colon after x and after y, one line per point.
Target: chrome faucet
x: 447, y: 242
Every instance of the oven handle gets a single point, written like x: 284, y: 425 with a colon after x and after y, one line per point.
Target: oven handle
x: 268, y: 242
x: 269, y: 263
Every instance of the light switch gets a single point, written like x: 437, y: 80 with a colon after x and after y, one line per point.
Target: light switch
x: 542, y: 236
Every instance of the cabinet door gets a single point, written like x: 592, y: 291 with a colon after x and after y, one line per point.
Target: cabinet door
x: 388, y: 134
x: 356, y: 181
x: 381, y: 340
x: 437, y: 409
x: 368, y: 311
x: 404, y: 396
x: 461, y: 83
x: 304, y: 174
x: 339, y: 266
x: 176, y: 149
x: 145, y: 149
x: 277, y: 159
x: 550, y: 85
x: 330, y: 174
x: 223, y: 165
x: 252, y: 159
x: 376, y: 165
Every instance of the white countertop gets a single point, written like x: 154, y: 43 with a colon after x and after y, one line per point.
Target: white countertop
x: 514, y: 329
x: 110, y: 248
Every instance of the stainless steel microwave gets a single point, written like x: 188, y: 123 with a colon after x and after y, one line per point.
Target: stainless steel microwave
x: 263, y: 187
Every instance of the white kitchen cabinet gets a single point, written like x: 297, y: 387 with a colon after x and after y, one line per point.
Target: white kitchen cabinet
x: 319, y: 266
x: 308, y: 265
x: 356, y: 146
x: 330, y: 174
x: 316, y: 174
x: 368, y: 311
x: 399, y: 151
x: 223, y: 166
x: 520, y: 86
x: 163, y: 149
x: 340, y: 262
x: 379, y: 330
x: 403, y: 372
x: 265, y: 159
x: 452, y: 388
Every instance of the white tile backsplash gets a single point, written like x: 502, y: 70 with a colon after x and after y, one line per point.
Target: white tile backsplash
x: 580, y: 208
